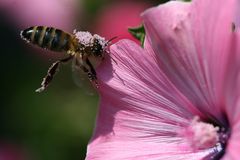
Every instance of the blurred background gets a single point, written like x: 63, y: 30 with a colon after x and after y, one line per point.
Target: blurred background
x: 56, y: 124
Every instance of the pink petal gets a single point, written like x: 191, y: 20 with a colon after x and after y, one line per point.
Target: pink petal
x: 193, y: 41
x: 148, y: 96
x: 232, y: 152
x: 141, y: 112
x: 133, y: 149
x: 233, y: 113
x: 232, y: 92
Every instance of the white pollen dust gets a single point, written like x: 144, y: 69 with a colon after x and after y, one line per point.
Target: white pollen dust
x: 84, y: 37
x: 100, y: 39
x: 201, y: 135
x: 87, y: 39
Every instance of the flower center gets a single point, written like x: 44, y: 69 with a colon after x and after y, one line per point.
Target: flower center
x: 204, y: 135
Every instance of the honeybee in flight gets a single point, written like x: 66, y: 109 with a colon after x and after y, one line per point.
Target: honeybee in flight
x: 79, y: 46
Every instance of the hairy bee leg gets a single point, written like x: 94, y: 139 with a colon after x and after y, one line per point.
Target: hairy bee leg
x: 51, y: 72
x: 91, y: 68
x: 87, y: 67
x: 92, y: 75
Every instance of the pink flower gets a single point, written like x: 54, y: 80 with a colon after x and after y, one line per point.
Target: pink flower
x: 178, y: 98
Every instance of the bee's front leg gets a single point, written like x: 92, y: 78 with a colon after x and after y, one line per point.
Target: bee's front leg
x: 88, y: 68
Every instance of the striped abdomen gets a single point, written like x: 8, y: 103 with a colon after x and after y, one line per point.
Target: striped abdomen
x: 49, y: 38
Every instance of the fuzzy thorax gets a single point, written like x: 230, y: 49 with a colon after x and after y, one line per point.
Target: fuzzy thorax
x: 87, y: 39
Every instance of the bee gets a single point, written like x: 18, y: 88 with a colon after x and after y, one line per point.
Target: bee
x: 79, y: 46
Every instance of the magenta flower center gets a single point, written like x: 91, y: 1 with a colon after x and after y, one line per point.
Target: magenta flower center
x: 204, y: 135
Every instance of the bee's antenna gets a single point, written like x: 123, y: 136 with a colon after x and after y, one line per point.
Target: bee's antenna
x: 110, y: 40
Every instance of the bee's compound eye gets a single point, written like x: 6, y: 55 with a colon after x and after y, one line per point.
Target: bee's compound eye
x: 26, y: 34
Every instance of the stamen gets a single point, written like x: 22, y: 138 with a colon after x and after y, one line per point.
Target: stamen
x: 202, y: 135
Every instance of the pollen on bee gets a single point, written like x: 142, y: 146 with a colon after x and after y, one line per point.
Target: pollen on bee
x: 101, y: 40
x: 87, y: 39
x: 83, y: 37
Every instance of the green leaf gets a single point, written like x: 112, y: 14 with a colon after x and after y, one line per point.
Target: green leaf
x: 138, y: 32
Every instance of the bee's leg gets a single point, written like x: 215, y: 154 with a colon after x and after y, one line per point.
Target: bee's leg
x: 88, y: 68
x: 51, y: 72
x: 92, y: 75
x: 91, y: 68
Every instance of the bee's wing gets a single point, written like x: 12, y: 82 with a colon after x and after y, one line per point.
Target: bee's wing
x: 80, y: 78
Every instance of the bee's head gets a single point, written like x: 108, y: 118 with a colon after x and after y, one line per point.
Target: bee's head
x: 98, y: 47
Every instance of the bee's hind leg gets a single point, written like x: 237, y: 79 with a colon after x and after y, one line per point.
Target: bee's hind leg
x: 51, y: 72
x: 92, y: 75
x: 88, y: 68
